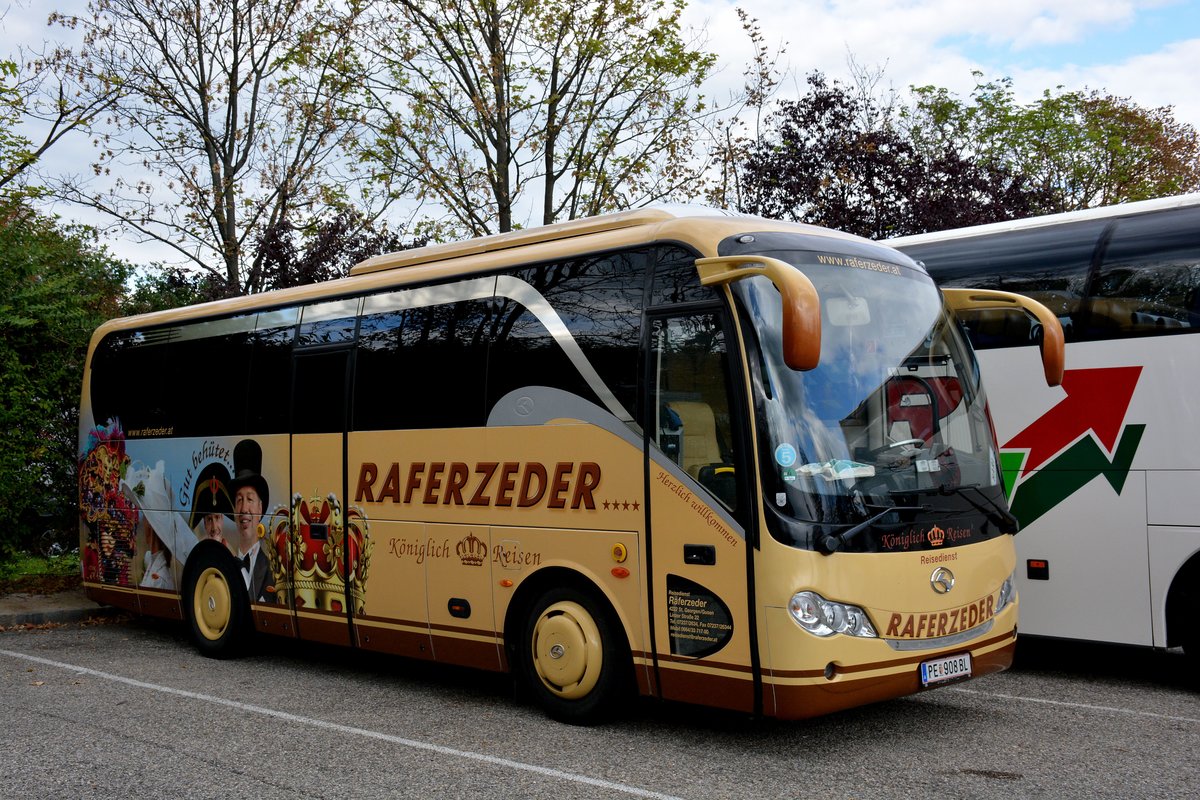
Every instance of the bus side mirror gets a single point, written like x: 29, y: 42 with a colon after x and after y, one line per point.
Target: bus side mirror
x: 801, y: 305
x: 1052, y: 346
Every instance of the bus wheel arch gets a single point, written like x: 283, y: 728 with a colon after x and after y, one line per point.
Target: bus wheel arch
x: 568, y: 648
x: 215, y: 602
x: 1183, y: 608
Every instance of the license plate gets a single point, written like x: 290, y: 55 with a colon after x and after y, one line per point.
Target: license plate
x: 946, y: 669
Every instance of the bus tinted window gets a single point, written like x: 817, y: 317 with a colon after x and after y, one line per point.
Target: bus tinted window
x: 328, y: 323
x: 270, y: 379
x: 204, y: 355
x: 599, y: 299
x: 676, y: 279
x: 1048, y: 264
x: 319, y: 392
x: 421, y: 367
x: 524, y: 352
x: 127, y: 384
x: 1149, y: 282
x: 157, y: 382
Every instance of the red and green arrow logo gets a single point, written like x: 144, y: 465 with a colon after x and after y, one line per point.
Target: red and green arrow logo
x: 1062, y: 450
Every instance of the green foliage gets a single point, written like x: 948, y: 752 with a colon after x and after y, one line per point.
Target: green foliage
x: 24, y: 564
x: 219, y: 120
x: 58, y: 287
x: 1080, y: 148
x: 162, y: 288
x: 571, y: 107
x: 835, y: 157
x: 14, y: 148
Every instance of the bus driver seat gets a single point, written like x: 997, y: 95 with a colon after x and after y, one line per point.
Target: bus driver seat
x: 699, y: 447
x: 701, y: 455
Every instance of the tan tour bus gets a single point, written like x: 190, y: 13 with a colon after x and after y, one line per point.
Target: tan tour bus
x: 671, y: 452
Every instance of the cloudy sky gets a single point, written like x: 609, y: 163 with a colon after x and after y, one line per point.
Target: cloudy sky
x: 1147, y: 50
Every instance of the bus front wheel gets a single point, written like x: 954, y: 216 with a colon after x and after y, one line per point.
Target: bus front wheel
x: 572, y: 660
x: 218, y: 606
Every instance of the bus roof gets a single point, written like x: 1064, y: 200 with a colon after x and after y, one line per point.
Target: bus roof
x: 700, y: 226
x: 1119, y: 210
x: 545, y: 233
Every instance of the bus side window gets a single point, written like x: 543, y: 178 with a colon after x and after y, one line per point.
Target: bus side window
x: 1049, y: 265
x: 127, y: 384
x: 147, y: 378
x: 421, y: 367
x: 599, y: 299
x: 1147, y: 283
x: 690, y: 392
x: 270, y: 376
x: 217, y: 351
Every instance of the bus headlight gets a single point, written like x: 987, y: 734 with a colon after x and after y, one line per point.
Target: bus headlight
x: 823, y: 617
x: 1008, y: 593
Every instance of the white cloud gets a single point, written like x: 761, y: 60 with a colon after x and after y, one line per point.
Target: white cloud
x: 1166, y: 77
x: 915, y: 42
x: 940, y: 42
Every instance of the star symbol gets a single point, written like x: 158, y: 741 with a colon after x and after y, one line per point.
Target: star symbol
x: 606, y: 505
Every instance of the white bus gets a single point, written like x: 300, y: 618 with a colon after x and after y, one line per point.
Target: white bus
x: 1103, y: 472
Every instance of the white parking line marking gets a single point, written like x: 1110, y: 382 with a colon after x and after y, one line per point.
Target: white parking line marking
x: 1084, y: 706
x: 548, y: 772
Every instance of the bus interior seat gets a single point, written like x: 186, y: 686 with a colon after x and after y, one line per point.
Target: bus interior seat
x: 921, y: 403
x: 701, y: 455
x: 700, y: 446
x: 900, y: 430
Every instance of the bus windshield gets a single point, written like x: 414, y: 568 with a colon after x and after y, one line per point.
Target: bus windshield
x: 890, y: 430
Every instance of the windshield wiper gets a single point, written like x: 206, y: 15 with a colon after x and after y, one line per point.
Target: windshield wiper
x: 832, y: 542
x: 1000, y: 516
x: 997, y: 514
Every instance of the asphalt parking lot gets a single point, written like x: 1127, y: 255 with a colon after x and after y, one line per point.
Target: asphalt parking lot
x: 126, y: 708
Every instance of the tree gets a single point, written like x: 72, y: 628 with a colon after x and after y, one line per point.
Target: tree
x: 554, y: 108
x: 35, y: 92
x: 1080, y: 148
x: 229, y: 119
x: 737, y: 131
x: 58, y: 287
x: 835, y: 157
x: 327, y: 251
x: 14, y: 148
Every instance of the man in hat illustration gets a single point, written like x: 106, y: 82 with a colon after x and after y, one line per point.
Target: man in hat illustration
x: 250, y: 497
x: 212, y: 503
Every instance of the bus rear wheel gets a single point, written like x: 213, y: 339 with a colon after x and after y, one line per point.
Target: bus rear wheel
x: 572, y: 659
x: 218, y: 606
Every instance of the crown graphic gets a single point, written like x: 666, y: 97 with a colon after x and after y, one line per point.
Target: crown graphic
x: 318, y: 556
x: 472, y: 551
x: 936, y: 536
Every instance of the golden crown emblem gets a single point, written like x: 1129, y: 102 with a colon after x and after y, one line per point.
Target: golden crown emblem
x: 471, y: 551
x: 318, y: 557
x: 936, y: 536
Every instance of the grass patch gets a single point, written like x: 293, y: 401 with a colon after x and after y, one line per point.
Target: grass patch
x: 26, y: 572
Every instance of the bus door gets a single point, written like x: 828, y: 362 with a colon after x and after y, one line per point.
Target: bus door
x: 699, y: 596
x: 326, y: 538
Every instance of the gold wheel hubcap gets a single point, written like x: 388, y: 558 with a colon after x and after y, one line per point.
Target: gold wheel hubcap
x: 211, y: 604
x: 567, y: 651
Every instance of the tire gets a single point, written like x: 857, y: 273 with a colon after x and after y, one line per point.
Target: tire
x: 217, y: 604
x: 574, y: 658
x: 1191, y: 632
